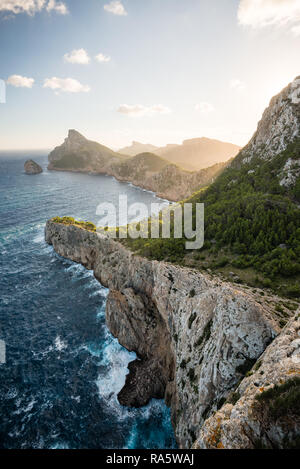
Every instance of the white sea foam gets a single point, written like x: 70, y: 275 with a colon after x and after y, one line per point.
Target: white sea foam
x: 115, y: 360
x: 60, y: 344
x: 39, y: 238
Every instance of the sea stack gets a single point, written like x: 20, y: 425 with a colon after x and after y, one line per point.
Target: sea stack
x: 31, y: 167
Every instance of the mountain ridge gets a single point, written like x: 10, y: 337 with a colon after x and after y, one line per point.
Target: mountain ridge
x: 192, y: 155
x: 146, y: 170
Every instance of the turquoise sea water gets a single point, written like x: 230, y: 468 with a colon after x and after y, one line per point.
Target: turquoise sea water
x: 64, y: 369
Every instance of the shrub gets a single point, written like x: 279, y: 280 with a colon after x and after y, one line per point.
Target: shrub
x: 283, y: 399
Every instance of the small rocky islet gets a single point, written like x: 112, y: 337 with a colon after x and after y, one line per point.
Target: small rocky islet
x: 31, y: 167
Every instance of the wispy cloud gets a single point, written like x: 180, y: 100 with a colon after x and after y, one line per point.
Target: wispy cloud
x: 116, y: 8
x: 237, y: 84
x: 31, y: 7
x: 20, y: 82
x: 66, y: 85
x: 138, y: 110
x: 204, y: 107
x: 262, y: 13
x: 58, y: 7
x: 77, y: 56
x: 102, y: 58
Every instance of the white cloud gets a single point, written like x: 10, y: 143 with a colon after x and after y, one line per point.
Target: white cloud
x: 116, y: 8
x: 262, y: 13
x: 32, y: 6
x: 102, y: 58
x: 237, y: 84
x: 67, y: 85
x: 77, y: 56
x: 139, y: 110
x: 204, y: 107
x: 58, y: 7
x: 20, y: 82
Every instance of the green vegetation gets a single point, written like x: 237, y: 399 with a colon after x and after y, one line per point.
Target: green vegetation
x: 245, y: 367
x: 252, y: 227
x: 234, y: 398
x: 282, y: 400
x: 86, y: 225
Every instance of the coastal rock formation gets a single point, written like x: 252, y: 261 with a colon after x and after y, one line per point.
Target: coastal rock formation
x: 31, y: 167
x: 145, y: 170
x: 280, y: 125
x: 195, y: 336
x: 260, y: 419
x: 82, y: 155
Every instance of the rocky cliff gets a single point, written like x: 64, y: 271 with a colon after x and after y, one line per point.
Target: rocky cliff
x: 145, y: 170
x: 194, y: 335
x: 167, y: 180
x: 266, y: 414
x: 279, y: 126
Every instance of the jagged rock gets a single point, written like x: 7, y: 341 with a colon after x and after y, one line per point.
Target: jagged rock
x: 31, y: 167
x: 144, y: 382
x: 280, y: 125
x: 248, y: 424
x: 79, y: 154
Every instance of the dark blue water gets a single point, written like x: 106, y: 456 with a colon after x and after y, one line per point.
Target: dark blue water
x: 58, y: 388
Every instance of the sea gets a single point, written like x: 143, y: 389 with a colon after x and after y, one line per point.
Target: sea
x: 63, y: 370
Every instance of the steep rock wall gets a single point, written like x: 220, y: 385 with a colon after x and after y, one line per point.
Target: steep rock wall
x: 249, y: 423
x: 191, y: 332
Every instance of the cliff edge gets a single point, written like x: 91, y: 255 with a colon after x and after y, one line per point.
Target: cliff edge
x: 196, y: 337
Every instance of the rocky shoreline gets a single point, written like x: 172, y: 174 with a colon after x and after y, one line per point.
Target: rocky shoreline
x: 195, y: 336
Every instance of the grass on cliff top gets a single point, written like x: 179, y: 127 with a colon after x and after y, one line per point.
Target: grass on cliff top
x: 282, y: 401
x: 86, y: 225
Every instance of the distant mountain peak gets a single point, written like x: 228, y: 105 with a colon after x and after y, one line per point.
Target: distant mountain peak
x: 137, y: 147
x: 74, y: 134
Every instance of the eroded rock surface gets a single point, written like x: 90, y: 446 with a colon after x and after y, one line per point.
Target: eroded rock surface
x: 280, y: 125
x: 250, y: 423
x: 193, y: 334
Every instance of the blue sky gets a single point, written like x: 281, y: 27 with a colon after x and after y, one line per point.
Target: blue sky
x: 170, y: 70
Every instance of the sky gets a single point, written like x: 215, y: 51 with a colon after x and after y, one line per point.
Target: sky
x: 154, y: 71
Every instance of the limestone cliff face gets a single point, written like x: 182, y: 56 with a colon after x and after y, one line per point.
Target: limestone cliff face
x: 249, y: 424
x: 280, y: 125
x: 192, y: 333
